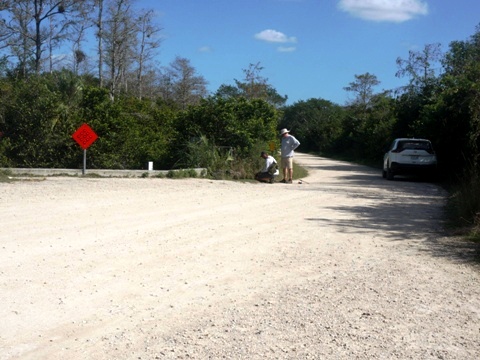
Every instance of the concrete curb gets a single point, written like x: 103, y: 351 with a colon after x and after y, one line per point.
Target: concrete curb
x: 89, y: 172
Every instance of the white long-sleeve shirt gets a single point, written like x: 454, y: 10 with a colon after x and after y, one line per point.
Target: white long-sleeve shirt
x: 289, y: 143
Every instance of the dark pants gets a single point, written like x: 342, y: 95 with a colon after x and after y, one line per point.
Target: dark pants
x: 264, y: 176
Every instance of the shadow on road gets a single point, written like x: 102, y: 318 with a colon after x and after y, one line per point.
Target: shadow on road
x: 406, y: 208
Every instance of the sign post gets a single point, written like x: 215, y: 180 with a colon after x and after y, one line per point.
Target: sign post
x: 84, y: 161
x: 85, y: 137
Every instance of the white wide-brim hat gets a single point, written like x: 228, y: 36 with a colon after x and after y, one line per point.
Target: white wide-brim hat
x: 284, y: 131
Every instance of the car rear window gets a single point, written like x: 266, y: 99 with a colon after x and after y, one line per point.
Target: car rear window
x: 415, y: 145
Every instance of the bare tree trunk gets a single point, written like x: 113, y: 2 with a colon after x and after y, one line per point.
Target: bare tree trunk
x: 38, y: 40
x: 100, y: 41
x: 43, y: 10
x: 120, y: 40
x: 148, y: 43
x: 82, y: 22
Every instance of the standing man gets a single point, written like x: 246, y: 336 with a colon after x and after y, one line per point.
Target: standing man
x: 289, y: 144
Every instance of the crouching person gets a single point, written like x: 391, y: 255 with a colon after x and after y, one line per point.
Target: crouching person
x: 269, y: 170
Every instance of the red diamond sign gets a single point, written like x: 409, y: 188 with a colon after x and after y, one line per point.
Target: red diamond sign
x: 85, y: 136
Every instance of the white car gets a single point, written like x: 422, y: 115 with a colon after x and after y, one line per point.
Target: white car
x: 409, y: 156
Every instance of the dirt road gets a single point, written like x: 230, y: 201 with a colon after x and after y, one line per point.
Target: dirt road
x: 346, y: 265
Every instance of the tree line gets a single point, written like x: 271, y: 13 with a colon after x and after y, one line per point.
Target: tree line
x: 440, y: 102
x: 43, y: 36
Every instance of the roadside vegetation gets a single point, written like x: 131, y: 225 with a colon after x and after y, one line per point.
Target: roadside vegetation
x: 463, y: 206
x: 5, y: 176
x: 142, y: 113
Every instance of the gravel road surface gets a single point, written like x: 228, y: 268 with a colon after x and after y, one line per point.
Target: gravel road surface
x: 345, y: 265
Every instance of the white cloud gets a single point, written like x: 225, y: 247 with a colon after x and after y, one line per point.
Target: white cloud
x: 384, y: 10
x: 205, y: 49
x: 286, y: 49
x: 274, y: 36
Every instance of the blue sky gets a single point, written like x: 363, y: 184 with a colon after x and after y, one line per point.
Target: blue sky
x: 308, y: 48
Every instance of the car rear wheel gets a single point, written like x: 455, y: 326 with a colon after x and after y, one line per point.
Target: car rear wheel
x: 390, y: 173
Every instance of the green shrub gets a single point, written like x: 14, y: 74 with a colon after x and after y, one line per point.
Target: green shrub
x: 5, y: 176
x: 464, y: 202
x: 180, y: 174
